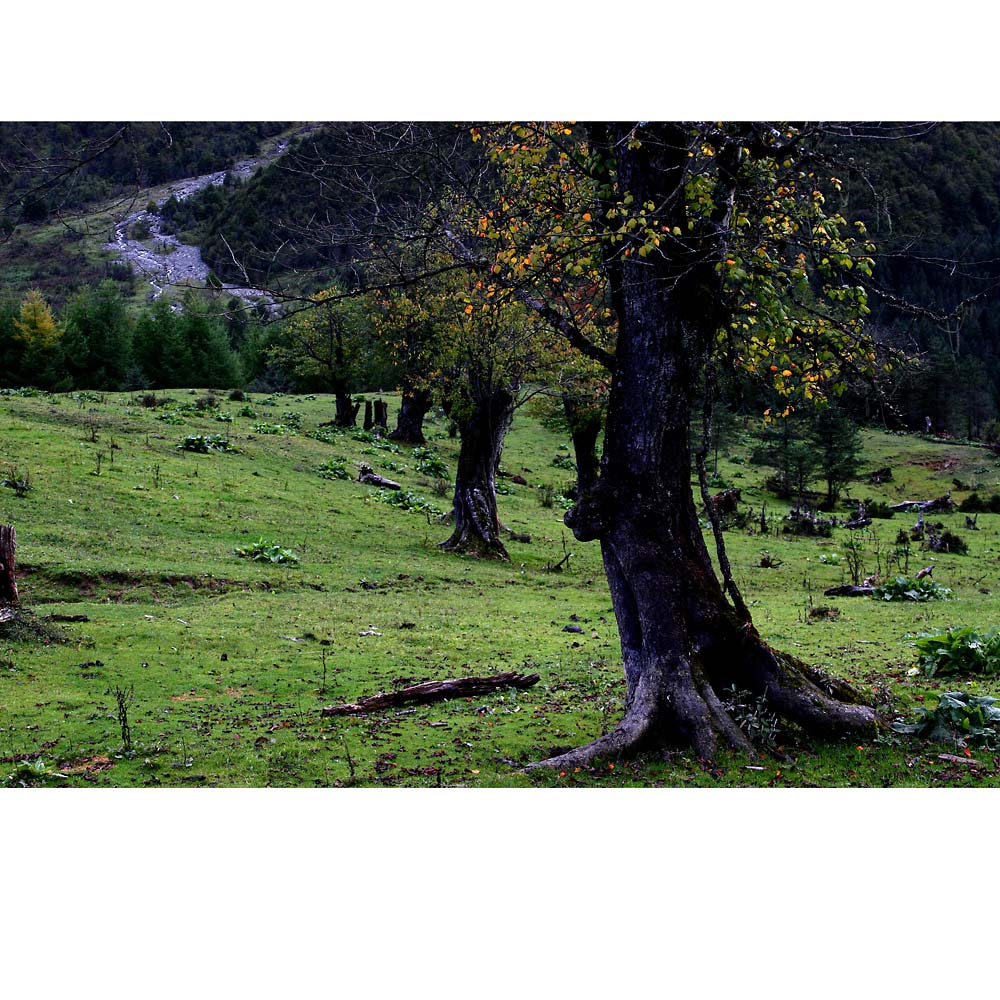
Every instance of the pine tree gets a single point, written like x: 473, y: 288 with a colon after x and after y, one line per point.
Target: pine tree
x: 39, y: 335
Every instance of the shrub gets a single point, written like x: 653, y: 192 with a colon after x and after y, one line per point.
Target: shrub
x: 266, y: 551
x: 404, y: 499
x: 334, y: 468
x: 204, y: 443
x: 959, y: 651
x: 905, y: 588
x: 878, y: 509
x: 753, y: 715
x: 947, y: 541
x: 26, y: 392
x: 975, y: 504
x: 958, y: 716
x: 264, y: 428
x: 237, y: 396
x: 429, y: 463
x: 804, y: 523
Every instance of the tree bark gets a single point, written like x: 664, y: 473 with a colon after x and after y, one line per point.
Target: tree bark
x: 346, y: 413
x: 8, y: 583
x: 482, y: 429
x: 413, y: 407
x: 381, y: 413
x: 585, y: 428
x: 682, y: 642
x: 369, y: 421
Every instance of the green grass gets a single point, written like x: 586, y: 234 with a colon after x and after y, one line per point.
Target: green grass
x: 229, y: 660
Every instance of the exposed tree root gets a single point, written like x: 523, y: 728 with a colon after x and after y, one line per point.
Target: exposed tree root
x: 470, y: 544
x: 477, y: 527
x: 689, y: 711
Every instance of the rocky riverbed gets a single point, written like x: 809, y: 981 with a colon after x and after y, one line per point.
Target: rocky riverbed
x: 162, y: 259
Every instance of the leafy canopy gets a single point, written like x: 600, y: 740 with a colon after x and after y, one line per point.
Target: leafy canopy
x: 751, y: 201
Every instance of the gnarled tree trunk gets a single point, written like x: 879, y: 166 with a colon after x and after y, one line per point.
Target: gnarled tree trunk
x: 413, y: 407
x: 346, y: 412
x: 682, y: 642
x: 482, y: 429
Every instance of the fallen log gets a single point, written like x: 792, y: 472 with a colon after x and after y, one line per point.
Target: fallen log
x: 858, y: 522
x: 849, y: 591
x: 944, y: 503
x: 367, y: 475
x: 429, y: 691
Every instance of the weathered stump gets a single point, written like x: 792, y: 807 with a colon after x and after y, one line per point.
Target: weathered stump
x: 381, y: 413
x: 8, y: 584
x: 369, y: 421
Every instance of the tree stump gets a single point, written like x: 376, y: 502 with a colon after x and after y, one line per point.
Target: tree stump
x: 8, y: 585
x: 369, y: 422
x: 381, y: 413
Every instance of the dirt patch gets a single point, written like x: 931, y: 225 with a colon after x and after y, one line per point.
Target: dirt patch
x: 88, y: 765
x: 239, y: 692
x: 187, y: 696
x: 938, y: 465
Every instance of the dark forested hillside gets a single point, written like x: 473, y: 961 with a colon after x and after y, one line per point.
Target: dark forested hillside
x: 297, y: 215
x: 47, y: 167
x: 932, y: 204
x: 931, y: 201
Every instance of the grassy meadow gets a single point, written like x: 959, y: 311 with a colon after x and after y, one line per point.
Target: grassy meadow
x: 189, y: 665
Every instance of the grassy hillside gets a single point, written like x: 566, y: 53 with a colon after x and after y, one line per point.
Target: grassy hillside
x: 224, y: 663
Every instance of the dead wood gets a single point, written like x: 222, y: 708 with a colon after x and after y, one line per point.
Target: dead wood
x: 430, y: 691
x: 367, y: 475
x: 727, y: 502
x: 849, y: 591
x: 944, y: 503
x: 8, y: 583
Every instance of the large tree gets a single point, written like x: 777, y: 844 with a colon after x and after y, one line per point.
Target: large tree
x: 712, y: 248
x: 325, y: 346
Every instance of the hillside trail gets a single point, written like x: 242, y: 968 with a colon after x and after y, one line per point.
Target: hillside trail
x: 173, y: 263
